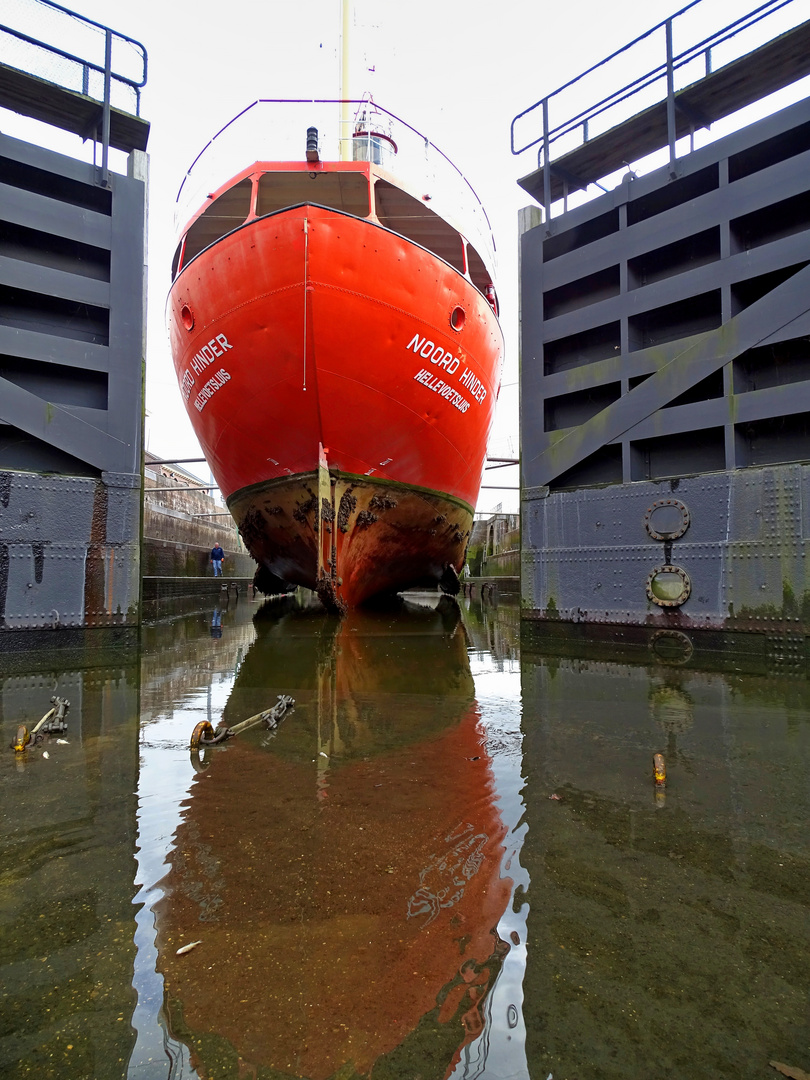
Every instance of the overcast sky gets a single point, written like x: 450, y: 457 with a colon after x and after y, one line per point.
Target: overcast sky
x: 458, y: 70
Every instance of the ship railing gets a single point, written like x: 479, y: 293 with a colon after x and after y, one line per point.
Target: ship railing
x: 49, y: 41
x: 275, y: 129
x: 676, y: 52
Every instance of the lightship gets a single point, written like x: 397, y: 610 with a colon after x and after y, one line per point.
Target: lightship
x: 334, y: 328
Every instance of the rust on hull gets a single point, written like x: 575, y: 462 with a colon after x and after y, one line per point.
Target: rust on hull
x: 350, y: 538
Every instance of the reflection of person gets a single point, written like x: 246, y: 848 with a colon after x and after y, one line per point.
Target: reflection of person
x: 216, y: 623
x: 217, y: 558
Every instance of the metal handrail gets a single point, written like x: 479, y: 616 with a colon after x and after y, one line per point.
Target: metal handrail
x: 666, y: 69
x: 621, y: 94
x: 136, y: 85
x: 88, y: 65
x: 426, y: 142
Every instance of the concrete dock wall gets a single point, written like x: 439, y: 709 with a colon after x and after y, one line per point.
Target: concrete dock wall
x: 181, y: 526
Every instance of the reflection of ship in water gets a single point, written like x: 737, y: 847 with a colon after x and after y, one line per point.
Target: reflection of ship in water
x: 343, y: 872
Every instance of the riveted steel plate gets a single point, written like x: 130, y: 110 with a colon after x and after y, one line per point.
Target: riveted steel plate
x: 587, y: 556
x: 58, y: 566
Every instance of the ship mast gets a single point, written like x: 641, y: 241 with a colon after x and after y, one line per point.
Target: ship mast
x: 345, y: 111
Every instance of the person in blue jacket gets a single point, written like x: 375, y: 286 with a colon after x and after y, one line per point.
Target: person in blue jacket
x: 217, y: 558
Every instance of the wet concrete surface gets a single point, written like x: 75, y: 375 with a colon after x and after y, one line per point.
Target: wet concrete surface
x: 383, y: 886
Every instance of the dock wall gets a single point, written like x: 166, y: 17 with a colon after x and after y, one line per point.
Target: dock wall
x: 665, y: 393
x: 72, y: 250
x: 180, y: 527
x: 494, y: 549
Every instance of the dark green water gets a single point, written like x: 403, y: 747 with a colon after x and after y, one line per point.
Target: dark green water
x: 383, y: 886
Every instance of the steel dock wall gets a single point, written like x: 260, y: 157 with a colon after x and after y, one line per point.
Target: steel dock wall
x: 665, y: 392
x: 72, y: 253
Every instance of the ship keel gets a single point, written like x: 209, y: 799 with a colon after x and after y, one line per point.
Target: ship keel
x: 351, y: 538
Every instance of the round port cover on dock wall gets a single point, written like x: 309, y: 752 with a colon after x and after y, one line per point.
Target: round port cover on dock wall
x: 666, y: 519
x: 668, y: 586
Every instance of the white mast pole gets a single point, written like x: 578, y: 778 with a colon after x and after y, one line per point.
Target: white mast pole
x: 345, y: 113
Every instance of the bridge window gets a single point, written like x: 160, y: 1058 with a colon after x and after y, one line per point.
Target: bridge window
x: 176, y: 260
x: 344, y: 191
x: 224, y: 215
x: 412, y: 219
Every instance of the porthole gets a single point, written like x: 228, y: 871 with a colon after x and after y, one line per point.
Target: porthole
x: 668, y: 586
x: 458, y: 317
x: 666, y: 519
x: 187, y: 317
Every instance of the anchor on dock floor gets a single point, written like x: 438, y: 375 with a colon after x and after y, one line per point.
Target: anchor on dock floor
x: 205, y: 735
x: 52, y: 723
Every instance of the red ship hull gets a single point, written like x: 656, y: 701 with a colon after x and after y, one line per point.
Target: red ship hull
x: 341, y: 380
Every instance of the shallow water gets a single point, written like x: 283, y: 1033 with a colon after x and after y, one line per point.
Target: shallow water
x: 383, y: 885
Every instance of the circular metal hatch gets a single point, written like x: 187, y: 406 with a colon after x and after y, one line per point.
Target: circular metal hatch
x: 666, y: 519
x: 668, y: 586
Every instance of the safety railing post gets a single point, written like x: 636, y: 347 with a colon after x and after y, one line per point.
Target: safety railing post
x: 546, y: 165
x: 670, y: 99
x: 105, y: 116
